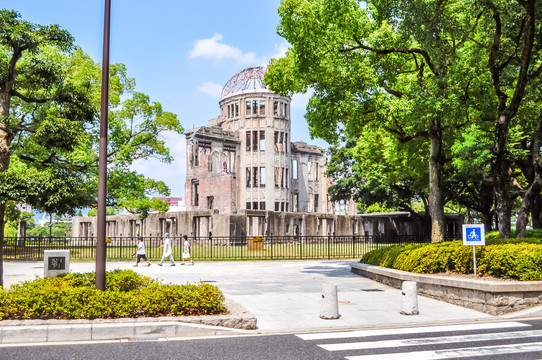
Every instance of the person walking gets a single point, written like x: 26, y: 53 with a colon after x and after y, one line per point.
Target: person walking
x: 168, y: 250
x: 186, y: 250
x: 141, y: 252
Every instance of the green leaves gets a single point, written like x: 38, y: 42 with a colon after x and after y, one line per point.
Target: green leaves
x: 128, y: 294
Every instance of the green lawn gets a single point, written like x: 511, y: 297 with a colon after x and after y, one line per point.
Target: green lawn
x: 208, y: 253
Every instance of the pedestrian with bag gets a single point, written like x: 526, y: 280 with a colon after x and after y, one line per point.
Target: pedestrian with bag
x: 187, y: 249
x: 141, y: 252
x: 168, y: 250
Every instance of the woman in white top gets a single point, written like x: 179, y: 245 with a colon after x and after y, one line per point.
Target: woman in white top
x: 186, y: 250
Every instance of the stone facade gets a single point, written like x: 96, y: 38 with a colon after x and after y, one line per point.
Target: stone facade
x: 245, y: 160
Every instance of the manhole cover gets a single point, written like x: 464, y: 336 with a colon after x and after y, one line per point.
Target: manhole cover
x: 208, y: 281
x: 371, y: 290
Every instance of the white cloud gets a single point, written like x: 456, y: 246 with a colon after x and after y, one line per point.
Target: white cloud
x: 281, y: 49
x: 213, y: 48
x: 300, y: 100
x: 213, y: 89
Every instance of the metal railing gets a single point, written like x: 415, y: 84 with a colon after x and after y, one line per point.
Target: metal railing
x: 212, y: 248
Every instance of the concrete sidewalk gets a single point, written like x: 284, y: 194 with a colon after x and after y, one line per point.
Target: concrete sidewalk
x: 284, y: 296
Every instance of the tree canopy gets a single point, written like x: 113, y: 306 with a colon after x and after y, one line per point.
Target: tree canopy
x: 439, y: 82
x: 49, y: 126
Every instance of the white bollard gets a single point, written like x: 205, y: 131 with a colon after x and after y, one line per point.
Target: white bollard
x: 409, y: 303
x: 330, y: 305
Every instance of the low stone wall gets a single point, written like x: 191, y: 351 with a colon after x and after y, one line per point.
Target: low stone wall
x: 491, y: 297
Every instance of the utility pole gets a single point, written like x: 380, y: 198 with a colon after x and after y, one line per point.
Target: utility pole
x: 102, y: 166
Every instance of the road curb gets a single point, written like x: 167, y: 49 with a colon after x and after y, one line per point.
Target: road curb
x: 238, y: 321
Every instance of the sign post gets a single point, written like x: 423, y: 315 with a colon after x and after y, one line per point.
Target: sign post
x: 474, y: 234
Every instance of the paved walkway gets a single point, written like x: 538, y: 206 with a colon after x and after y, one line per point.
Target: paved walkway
x: 286, y: 295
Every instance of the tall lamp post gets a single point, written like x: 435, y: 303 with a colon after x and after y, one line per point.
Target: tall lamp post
x: 102, y: 167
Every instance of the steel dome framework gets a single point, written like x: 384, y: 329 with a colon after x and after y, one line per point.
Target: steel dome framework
x: 247, y: 79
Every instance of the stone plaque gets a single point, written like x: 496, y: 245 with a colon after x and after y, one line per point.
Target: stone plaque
x: 57, y: 263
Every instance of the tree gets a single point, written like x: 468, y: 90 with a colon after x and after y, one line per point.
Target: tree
x: 49, y: 128
x: 403, y: 66
x: 512, y: 37
x: 532, y: 170
x: 36, y: 103
x: 376, y: 169
x: 423, y: 69
x: 469, y: 181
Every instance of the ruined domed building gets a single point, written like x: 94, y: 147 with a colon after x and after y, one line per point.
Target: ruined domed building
x: 246, y: 177
x: 244, y: 162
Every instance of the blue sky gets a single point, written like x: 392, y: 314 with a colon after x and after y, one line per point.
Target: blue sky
x: 181, y: 53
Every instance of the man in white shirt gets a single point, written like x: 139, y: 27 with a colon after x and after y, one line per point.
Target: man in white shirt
x: 168, y: 253
x: 141, y: 252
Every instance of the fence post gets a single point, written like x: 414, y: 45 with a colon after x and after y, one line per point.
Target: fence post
x: 211, y: 242
x: 328, y: 247
x: 353, y: 248
x: 301, y: 248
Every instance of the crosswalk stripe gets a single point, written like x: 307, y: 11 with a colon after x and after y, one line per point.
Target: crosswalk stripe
x: 455, y: 353
x: 431, y: 341
x: 412, y: 330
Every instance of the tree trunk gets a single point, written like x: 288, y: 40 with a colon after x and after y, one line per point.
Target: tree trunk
x: 487, y: 220
x: 5, y: 141
x: 534, y: 189
x: 526, y: 206
x: 436, y: 205
x: 536, y: 212
x: 501, y: 181
x: 2, y: 211
x: 5, y: 136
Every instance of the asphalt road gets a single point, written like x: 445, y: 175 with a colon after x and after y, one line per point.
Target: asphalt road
x: 510, y: 340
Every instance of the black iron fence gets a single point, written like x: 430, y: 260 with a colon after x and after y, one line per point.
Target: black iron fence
x: 211, y: 248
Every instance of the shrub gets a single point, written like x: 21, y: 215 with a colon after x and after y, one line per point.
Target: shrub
x: 128, y: 294
x: 510, y: 258
x: 512, y: 261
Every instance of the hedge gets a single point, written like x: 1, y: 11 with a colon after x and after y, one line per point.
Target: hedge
x: 127, y: 294
x: 519, y: 259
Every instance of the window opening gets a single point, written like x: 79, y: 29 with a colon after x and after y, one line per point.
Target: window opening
x: 294, y: 169
x: 254, y: 176
x: 195, y: 192
x: 262, y: 177
x: 210, y: 200
x: 249, y: 140
x: 255, y: 140
x: 262, y: 140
